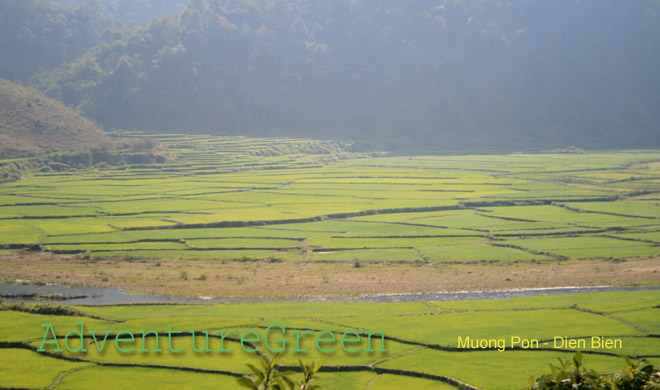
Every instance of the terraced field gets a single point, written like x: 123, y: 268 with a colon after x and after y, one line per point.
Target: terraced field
x: 421, y: 342
x: 241, y: 217
x: 301, y: 202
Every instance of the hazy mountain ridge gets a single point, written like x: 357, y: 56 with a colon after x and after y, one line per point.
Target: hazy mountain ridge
x: 131, y: 11
x: 413, y: 75
x: 38, y: 35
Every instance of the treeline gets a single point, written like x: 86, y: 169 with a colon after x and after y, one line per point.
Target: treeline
x: 136, y: 151
x: 114, y: 155
x: 410, y: 76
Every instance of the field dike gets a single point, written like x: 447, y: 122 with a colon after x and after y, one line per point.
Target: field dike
x: 460, y: 206
x: 369, y: 367
x: 579, y: 210
x: 330, y: 369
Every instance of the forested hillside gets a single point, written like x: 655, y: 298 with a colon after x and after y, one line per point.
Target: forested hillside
x: 410, y: 76
x: 38, y: 35
x: 132, y: 11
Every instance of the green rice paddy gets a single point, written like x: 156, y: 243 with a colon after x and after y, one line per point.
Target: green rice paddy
x: 224, y: 199
x: 422, y: 341
x: 304, y: 200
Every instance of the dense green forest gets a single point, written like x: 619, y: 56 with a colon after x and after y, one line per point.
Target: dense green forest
x: 410, y: 76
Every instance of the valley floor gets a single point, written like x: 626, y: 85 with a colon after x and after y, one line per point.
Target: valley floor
x: 296, y: 279
x: 241, y: 217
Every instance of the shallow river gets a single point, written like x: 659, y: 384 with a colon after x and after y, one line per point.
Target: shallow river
x: 107, y: 296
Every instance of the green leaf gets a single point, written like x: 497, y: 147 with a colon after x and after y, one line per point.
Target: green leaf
x: 266, y: 363
x: 577, y: 359
x: 289, y: 382
x: 315, y: 369
x: 554, y: 369
x: 276, y: 359
x: 648, y: 369
x: 285, y: 373
x: 256, y: 371
x: 246, y: 382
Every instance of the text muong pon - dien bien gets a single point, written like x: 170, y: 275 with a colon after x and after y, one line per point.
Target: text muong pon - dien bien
x: 557, y: 342
x: 272, y: 339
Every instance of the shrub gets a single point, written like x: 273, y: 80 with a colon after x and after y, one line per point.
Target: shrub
x: 142, y: 144
x: 635, y: 376
x: 270, y: 378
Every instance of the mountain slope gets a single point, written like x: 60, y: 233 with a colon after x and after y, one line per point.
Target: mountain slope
x: 416, y: 76
x: 39, y: 35
x: 33, y: 124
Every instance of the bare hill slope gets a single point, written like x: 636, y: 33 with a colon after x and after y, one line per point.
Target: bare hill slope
x: 32, y: 124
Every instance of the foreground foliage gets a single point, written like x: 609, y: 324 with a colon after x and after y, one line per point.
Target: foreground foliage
x: 635, y: 376
x: 269, y: 377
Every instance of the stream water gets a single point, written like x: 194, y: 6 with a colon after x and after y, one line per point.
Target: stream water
x: 107, y: 296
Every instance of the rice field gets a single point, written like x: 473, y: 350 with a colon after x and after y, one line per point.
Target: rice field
x: 243, y: 217
x: 421, y: 346
x: 313, y: 200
